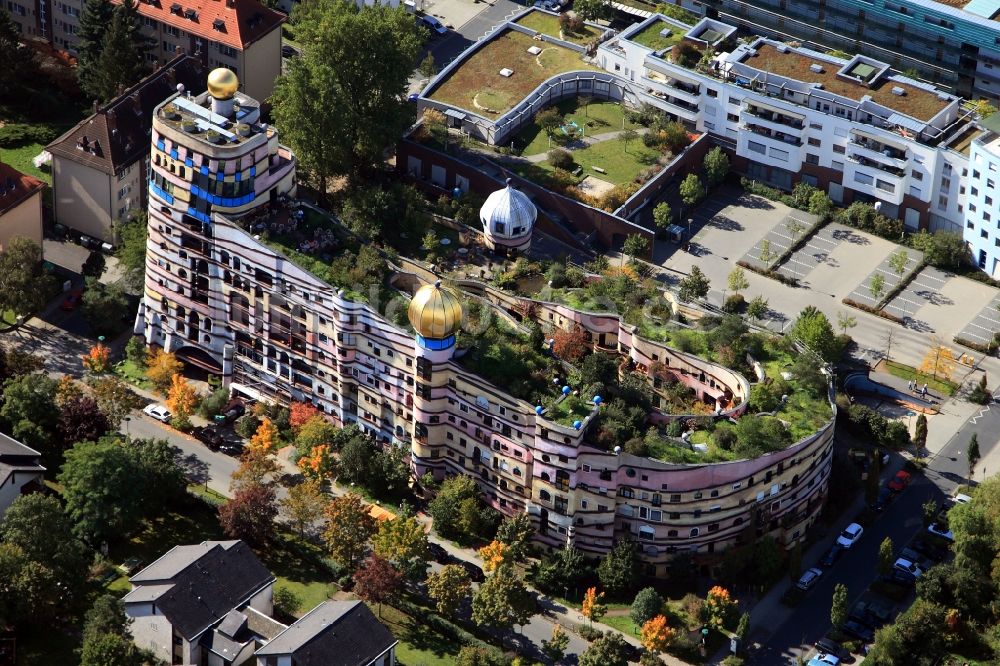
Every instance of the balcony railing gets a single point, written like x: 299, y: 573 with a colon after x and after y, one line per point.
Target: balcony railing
x: 773, y: 117
x: 875, y: 164
x: 770, y: 134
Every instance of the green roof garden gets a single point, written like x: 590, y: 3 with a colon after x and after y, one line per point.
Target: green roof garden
x: 651, y: 38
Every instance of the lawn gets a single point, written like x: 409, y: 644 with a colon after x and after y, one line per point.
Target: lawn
x: 650, y: 37
x: 907, y: 372
x: 21, y: 159
x: 569, y: 409
x: 133, y: 374
x: 418, y: 646
x: 476, y: 85
x: 621, y: 165
x: 596, y: 118
x: 547, y: 24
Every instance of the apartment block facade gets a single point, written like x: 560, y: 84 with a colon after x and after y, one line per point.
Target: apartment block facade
x: 952, y: 42
x: 982, y: 224
x: 241, y: 35
x: 847, y: 125
x: 221, y: 298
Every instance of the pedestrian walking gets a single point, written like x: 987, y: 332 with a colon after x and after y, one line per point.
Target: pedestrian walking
x: 923, y: 390
x: 909, y: 385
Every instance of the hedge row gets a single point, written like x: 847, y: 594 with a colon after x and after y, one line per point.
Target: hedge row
x: 875, y: 311
x: 15, y: 135
x: 769, y: 273
x: 978, y: 346
x: 900, y: 286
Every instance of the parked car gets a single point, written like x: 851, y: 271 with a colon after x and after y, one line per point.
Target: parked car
x: 233, y: 411
x: 288, y: 51
x: 438, y: 553
x: 210, y: 436
x: 231, y: 447
x: 550, y: 5
x: 898, y: 482
x: 930, y: 550
x: 871, y: 612
x: 435, y: 26
x: 902, y: 564
x: 475, y: 573
x: 860, y: 631
x: 823, y: 659
x: 899, y: 577
x: 158, y: 412
x: 921, y: 561
x: 881, y: 500
x: 850, y: 535
x: 831, y: 556
x: 809, y: 578
x: 72, y: 300
x: 941, y: 530
x: 961, y: 498
x: 830, y: 646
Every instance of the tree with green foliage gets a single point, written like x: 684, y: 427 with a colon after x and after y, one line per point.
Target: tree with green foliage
x: 121, y: 62
x: 693, y: 287
x: 737, y: 280
x: 38, y: 526
x: 336, y: 73
x: 820, y: 204
x: 30, y: 593
x: 838, y: 606
x: 20, y: 64
x: 446, y: 506
x: 972, y: 454
x: 554, y: 649
x: 634, y: 246
x: 743, y: 627
x: 133, y: 233
x: 427, y: 66
x: 94, y: 23
x: 929, y: 511
x: 846, y: 321
x: 103, y: 493
x: 647, y: 604
x: 24, y: 286
x: 767, y: 560
x: 608, y: 650
x: 29, y: 407
x: 716, y: 166
x: 114, y: 397
x: 593, y: 10
x: 918, y: 636
x: 515, y: 532
x: 765, y: 254
x: 757, y: 308
x: 942, y: 249
x: 449, y: 588
x: 813, y: 329
x: 403, y: 542
x: 106, y: 637
x: 876, y: 287
x: 618, y: 570
x: 349, y: 526
x: 691, y: 190
x: 502, y: 601
x: 104, y: 306
x: 898, y: 261
x: 885, y: 556
x: 662, y: 215
x: 626, y: 137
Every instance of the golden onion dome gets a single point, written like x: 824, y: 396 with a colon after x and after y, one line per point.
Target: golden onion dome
x: 222, y: 83
x: 435, y: 311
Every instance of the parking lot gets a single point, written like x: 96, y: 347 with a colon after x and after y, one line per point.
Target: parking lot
x: 984, y: 325
x: 862, y: 293
x: 779, y: 237
x: 941, y: 303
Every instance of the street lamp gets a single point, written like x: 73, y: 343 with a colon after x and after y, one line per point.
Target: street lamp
x: 128, y: 436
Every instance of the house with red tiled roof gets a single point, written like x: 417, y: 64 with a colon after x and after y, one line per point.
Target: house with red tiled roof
x: 241, y: 35
x: 20, y: 205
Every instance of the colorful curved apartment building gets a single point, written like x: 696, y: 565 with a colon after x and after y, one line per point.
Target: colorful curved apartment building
x: 222, y: 298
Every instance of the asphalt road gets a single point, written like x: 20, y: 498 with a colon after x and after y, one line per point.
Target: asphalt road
x: 857, y: 569
x: 950, y: 467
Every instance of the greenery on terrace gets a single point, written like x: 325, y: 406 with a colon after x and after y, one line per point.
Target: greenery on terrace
x: 477, y: 85
x: 595, y: 117
x: 651, y: 38
x: 547, y: 24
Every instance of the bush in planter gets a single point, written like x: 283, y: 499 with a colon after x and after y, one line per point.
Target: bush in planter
x: 734, y: 304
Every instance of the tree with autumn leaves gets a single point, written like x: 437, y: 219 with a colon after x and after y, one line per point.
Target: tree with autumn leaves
x: 495, y: 555
x: 571, y: 345
x: 349, y: 527
x: 656, y: 635
x: 182, y: 401
x: 377, y: 581
x: 403, y: 542
x: 161, y: 368
x: 449, y: 588
x: 592, y: 608
x: 720, y: 607
x: 319, y: 464
x: 98, y: 360
x: 265, y: 439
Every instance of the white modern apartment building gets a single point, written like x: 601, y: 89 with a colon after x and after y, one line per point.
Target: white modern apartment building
x: 847, y: 125
x: 982, y: 221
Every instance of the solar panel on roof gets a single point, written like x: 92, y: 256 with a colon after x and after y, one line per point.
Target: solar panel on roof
x: 200, y: 111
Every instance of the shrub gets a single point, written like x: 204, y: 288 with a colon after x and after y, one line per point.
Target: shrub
x: 214, y: 403
x: 561, y: 158
x: 734, y: 303
x: 286, y: 602
x: 15, y: 135
x: 246, y: 426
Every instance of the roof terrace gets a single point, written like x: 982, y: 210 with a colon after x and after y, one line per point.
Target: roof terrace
x: 194, y: 115
x: 503, y: 71
x: 861, y: 79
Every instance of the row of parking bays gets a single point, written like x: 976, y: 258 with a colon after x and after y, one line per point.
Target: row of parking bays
x: 877, y: 608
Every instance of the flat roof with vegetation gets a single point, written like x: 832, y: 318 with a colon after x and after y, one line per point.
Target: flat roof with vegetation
x: 477, y: 85
x: 916, y: 102
x: 548, y: 24
x: 650, y: 36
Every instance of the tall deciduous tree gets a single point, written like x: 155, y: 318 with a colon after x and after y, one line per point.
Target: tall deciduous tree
x: 617, y: 571
x: 29, y: 408
x: 716, y: 166
x: 694, y: 286
x: 161, y: 369
x: 592, y: 608
x: 608, y: 650
x: 182, y: 400
x: 81, y: 420
x: 377, y: 581
x: 403, y: 542
x: 635, y: 245
x: 29, y: 592
x: 106, y: 638
x: 304, y: 504
x: 343, y: 101
x: 24, y: 286
x: 646, y: 605
x: 691, y: 190
x: 737, y: 280
x: 813, y: 329
x: 592, y: 10
x: 104, y: 495
x: 662, y: 215
x: 885, y: 557
x: 104, y: 306
x: 449, y: 588
x: 516, y: 531
x: 256, y: 465
x: 657, y: 635
x: 250, y: 514
x: 132, y: 237
x: 838, y: 606
x: 502, y: 601
x: 114, y: 398
x: 445, y: 507
x: 972, y: 453
x: 349, y: 526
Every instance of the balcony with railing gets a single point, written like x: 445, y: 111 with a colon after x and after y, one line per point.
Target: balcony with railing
x: 682, y: 90
x: 870, y: 177
x: 782, y: 122
x: 874, y: 151
x: 772, y: 134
